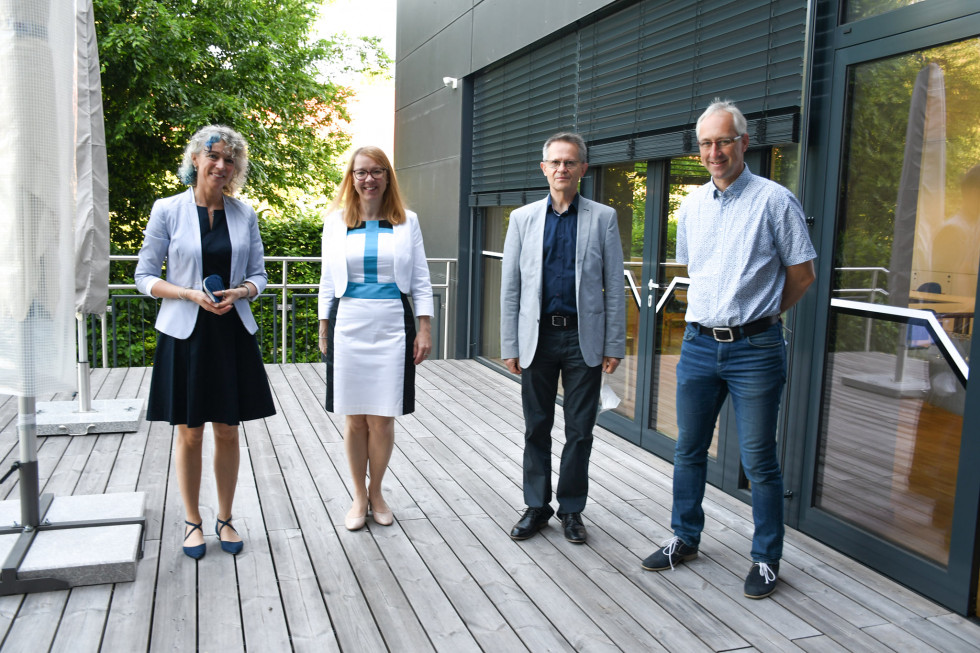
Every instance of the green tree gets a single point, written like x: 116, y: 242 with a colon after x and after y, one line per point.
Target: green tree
x: 172, y: 66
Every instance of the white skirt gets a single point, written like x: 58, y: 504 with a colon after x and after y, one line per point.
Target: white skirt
x: 370, y: 370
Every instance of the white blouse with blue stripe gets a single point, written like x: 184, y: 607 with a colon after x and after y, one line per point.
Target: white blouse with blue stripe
x: 371, y: 261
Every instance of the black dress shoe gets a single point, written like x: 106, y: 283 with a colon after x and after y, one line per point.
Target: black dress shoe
x: 532, y: 521
x: 574, y: 528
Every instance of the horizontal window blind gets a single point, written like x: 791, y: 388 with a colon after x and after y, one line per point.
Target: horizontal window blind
x: 633, y: 84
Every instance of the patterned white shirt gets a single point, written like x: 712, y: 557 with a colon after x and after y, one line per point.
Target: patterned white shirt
x: 737, y: 245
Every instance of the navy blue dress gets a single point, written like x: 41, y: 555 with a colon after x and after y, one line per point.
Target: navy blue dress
x: 216, y: 374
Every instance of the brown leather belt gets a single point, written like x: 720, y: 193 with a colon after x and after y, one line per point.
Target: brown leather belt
x: 731, y: 334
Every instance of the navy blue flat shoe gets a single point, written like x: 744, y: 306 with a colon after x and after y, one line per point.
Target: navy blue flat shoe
x: 196, y: 552
x: 234, y: 548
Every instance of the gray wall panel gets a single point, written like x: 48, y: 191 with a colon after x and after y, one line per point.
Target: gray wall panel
x: 420, y: 20
x: 445, y: 55
x: 432, y: 191
x: 502, y: 27
x: 428, y: 130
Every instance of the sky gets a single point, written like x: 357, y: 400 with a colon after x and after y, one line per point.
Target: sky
x: 373, y: 108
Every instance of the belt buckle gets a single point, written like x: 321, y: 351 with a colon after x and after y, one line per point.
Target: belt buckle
x: 559, y: 321
x: 715, y: 331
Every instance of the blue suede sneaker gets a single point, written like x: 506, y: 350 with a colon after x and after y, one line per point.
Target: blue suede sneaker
x: 671, y: 553
x: 761, y: 581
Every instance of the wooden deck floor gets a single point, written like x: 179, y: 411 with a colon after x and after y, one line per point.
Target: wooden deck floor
x: 445, y: 576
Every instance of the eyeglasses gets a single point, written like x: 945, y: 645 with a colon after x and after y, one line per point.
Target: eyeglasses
x: 721, y: 143
x: 361, y: 175
x: 554, y: 164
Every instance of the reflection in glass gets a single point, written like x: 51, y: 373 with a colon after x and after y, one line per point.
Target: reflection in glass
x: 889, y: 451
x: 686, y: 174
x: 911, y: 180
x: 908, y: 235
x: 624, y: 187
x: 784, y: 167
x: 495, y: 223
x: 858, y: 9
x: 490, y: 326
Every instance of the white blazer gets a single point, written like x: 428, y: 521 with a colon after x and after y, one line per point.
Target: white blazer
x: 174, y: 234
x: 411, y: 269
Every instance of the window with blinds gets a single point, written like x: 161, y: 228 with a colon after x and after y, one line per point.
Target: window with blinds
x: 633, y: 83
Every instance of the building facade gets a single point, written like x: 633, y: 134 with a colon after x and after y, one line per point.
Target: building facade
x: 866, y: 109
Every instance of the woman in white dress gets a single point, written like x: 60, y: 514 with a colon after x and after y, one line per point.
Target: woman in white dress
x: 373, y: 262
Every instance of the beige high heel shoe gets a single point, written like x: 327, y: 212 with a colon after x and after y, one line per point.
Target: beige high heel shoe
x: 355, y: 521
x: 383, y: 517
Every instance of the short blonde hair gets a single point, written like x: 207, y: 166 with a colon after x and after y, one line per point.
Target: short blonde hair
x: 392, y: 204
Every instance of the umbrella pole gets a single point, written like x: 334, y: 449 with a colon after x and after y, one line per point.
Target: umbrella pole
x: 84, y: 382
x: 29, y: 488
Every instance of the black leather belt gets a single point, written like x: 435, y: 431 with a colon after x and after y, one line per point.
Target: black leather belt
x: 560, y: 322
x: 731, y: 334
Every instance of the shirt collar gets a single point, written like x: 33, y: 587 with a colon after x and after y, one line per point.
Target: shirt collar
x: 735, y: 188
x: 572, y: 208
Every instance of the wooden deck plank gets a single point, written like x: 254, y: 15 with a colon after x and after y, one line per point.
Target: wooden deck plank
x: 964, y: 629
x: 83, y: 620
x: 577, y: 626
x: 309, y: 623
x: 353, y: 623
x: 443, y: 626
x: 277, y: 508
x: 899, y: 639
x: 262, y: 612
x: 125, y: 474
x: 480, y: 616
x: 220, y: 622
x: 397, y: 621
x: 446, y: 575
x: 176, y: 602
x: 128, y: 624
x: 9, y: 606
x: 37, y: 622
x: 525, y: 617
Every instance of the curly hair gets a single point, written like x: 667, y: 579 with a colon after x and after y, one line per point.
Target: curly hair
x: 202, y: 140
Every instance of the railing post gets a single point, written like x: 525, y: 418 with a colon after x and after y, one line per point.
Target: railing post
x: 105, y: 339
x: 285, y: 265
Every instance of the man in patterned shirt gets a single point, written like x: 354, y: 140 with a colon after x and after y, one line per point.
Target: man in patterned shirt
x: 749, y: 257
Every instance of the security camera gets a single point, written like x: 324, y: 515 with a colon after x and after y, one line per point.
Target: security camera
x: 450, y: 82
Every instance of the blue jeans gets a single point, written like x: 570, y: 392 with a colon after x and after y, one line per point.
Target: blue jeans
x: 753, y: 371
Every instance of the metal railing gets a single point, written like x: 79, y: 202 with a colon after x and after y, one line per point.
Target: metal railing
x: 292, y: 314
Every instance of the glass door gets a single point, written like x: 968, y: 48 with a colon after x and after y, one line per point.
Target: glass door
x: 624, y: 187
x: 885, y: 467
x: 666, y: 291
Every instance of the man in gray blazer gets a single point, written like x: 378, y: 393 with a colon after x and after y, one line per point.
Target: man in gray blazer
x: 562, y: 313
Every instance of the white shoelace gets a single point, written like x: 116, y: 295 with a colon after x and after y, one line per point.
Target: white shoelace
x: 766, y: 572
x: 670, y: 546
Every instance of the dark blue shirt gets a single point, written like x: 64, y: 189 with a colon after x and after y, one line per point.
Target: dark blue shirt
x: 558, y: 274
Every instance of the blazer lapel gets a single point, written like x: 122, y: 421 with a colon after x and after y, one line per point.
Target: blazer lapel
x: 193, y: 226
x: 584, y: 230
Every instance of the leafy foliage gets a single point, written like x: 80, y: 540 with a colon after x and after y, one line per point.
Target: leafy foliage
x: 172, y: 66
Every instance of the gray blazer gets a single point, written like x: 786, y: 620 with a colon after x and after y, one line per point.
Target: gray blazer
x: 600, y: 298
x: 174, y: 234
